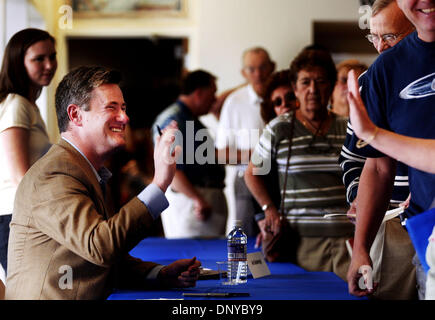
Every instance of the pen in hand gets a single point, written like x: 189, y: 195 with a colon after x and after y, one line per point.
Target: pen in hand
x: 159, y: 130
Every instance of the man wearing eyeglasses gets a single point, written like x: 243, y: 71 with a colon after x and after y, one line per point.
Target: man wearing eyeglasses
x: 399, y: 93
x: 240, y: 127
x: 388, y: 26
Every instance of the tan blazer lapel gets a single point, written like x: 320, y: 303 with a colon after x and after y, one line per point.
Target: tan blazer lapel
x: 99, y: 201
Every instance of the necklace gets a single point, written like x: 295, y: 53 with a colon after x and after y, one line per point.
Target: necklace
x: 319, y: 130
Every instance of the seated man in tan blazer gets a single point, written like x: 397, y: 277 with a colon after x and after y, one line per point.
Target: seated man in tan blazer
x: 65, y: 241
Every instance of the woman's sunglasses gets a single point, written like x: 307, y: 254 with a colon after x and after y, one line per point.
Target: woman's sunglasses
x: 289, y: 97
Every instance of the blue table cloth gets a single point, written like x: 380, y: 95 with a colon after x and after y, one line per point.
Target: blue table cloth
x: 286, y: 282
x: 420, y: 228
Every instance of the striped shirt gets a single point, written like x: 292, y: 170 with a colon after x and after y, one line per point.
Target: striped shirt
x: 352, y: 165
x: 314, y: 184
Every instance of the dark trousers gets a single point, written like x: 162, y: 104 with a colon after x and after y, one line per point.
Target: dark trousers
x: 246, y: 207
x: 5, y: 220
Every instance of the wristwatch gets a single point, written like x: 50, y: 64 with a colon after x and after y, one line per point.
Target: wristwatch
x: 266, y: 206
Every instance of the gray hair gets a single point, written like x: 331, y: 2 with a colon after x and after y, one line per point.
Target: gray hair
x: 380, y: 5
x: 255, y: 50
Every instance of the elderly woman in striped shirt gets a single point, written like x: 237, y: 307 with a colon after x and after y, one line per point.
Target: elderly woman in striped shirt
x: 313, y: 186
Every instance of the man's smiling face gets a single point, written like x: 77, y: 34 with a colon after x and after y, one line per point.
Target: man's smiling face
x: 106, y: 120
x: 422, y: 15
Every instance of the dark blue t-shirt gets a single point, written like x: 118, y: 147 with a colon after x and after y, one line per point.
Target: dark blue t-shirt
x: 197, y: 161
x: 399, y: 93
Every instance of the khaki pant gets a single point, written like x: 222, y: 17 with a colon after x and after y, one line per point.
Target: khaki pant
x: 324, y: 254
x: 392, y: 252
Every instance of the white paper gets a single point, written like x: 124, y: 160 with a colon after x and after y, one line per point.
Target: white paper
x: 257, y: 265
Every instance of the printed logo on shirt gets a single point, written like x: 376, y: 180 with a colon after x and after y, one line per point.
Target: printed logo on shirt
x: 420, y: 88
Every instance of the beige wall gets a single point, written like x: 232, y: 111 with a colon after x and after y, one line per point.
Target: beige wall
x: 227, y: 27
x: 185, y: 26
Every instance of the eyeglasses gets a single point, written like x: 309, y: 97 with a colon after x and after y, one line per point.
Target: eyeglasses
x: 388, y: 37
x: 289, y: 97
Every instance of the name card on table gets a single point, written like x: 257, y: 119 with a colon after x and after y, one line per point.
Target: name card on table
x: 257, y: 265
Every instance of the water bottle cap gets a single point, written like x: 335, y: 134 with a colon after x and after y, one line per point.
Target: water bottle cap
x: 237, y: 223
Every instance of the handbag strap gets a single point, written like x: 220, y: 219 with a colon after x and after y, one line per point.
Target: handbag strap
x: 290, y: 137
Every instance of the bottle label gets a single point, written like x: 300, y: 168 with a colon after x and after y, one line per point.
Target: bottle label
x: 237, y: 252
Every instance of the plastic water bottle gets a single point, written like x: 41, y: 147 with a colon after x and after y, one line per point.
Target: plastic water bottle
x: 237, y: 261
